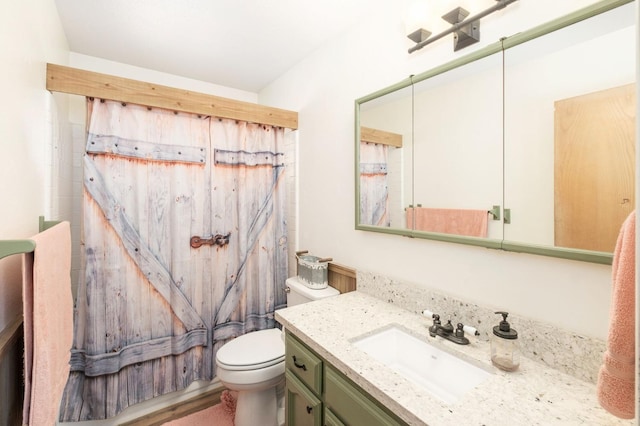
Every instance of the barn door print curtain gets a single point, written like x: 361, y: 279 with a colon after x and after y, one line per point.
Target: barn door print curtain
x: 374, y: 187
x: 153, y: 308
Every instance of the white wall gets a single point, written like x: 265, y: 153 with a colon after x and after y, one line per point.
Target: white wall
x: 91, y: 63
x: 323, y: 87
x: 30, y: 36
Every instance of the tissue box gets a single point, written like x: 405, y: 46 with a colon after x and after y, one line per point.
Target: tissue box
x: 313, y: 271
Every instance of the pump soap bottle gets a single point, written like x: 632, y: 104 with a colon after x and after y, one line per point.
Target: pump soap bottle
x: 505, y: 353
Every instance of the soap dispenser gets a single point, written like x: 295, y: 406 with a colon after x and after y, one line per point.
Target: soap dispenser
x: 505, y: 353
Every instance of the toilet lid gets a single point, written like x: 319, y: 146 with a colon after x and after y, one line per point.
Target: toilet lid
x: 253, y: 350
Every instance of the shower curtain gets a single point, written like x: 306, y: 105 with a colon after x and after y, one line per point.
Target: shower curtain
x: 374, y: 188
x: 184, y: 241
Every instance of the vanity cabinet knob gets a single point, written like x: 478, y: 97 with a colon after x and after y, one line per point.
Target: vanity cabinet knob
x: 309, y: 409
x: 295, y: 362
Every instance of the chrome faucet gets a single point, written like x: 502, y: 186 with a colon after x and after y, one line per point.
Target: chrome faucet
x: 447, y: 331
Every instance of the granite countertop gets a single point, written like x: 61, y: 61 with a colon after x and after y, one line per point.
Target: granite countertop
x: 535, y: 394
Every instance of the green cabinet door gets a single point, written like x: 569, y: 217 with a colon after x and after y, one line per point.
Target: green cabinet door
x: 352, y: 406
x: 304, y: 363
x: 331, y: 419
x: 302, y: 407
x: 313, y: 385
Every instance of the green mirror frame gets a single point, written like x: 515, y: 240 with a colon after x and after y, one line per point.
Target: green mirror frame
x: 505, y: 44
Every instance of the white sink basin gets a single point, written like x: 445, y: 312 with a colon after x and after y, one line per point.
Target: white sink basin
x: 442, y: 374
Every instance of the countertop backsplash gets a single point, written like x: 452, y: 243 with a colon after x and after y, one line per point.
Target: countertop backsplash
x: 569, y: 352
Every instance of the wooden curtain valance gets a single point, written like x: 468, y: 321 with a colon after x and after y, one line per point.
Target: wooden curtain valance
x: 368, y: 134
x: 103, y: 86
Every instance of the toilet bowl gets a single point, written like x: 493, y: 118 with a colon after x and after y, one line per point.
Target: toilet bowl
x: 253, y: 365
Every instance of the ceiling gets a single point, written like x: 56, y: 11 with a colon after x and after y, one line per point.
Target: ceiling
x: 242, y: 44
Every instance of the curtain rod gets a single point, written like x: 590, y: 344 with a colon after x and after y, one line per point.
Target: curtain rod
x: 455, y: 27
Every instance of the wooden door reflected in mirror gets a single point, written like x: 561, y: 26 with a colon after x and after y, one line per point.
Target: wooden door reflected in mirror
x: 594, y: 167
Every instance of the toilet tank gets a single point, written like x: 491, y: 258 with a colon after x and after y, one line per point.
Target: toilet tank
x: 298, y: 293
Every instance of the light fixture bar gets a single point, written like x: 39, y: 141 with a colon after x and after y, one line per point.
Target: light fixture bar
x: 501, y: 4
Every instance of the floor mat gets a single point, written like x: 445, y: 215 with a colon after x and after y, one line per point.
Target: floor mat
x: 219, y: 415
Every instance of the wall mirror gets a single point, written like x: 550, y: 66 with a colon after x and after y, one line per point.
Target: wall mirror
x: 532, y: 151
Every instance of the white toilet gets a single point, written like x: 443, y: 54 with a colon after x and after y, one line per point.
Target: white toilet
x: 253, y: 365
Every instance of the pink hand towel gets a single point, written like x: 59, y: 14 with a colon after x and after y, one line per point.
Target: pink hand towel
x: 472, y: 223
x: 48, y: 324
x: 616, y: 380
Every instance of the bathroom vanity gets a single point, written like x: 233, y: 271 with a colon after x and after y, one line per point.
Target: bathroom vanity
x: 340, y: 380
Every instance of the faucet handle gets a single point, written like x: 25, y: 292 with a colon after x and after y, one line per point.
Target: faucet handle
x: 434, y: 317
x: 471, y: 330
x: 427, y: 313
x: 461, y: 329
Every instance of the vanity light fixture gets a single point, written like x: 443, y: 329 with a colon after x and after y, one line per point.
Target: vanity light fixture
x: 466, y: 31
x: 419, y: 35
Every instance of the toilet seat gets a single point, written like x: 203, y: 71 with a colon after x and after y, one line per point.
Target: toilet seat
x: 252, y: 351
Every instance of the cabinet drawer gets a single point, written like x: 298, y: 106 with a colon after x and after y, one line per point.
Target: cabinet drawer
x: 304, y: 364
x: 302, y: 408
x: 352, y: 406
